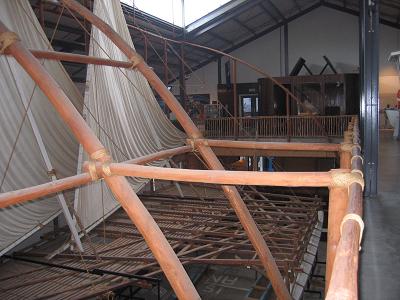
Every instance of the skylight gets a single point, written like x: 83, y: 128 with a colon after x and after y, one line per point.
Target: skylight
x: 171, y: 10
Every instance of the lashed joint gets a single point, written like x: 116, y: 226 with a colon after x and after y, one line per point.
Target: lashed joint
x: 193, y: 142
x: 346, y: 179
x: 93, y: 170
x: 99, y: 154
x: 356, y: 146
x: 106, y: 169
x: 7, y: 39
x: 357, y: 156
x: 355, y: 218
x: 346, y: 147
x: 135, y: 60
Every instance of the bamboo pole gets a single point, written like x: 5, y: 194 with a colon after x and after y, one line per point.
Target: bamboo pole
x: 193, y: 132
x: 135, y: 209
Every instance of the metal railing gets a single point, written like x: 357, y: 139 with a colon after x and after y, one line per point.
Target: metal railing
x: 277, y: 126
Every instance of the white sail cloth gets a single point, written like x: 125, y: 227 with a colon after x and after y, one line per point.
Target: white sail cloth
x: 24, y: 163
x: 123, y: 112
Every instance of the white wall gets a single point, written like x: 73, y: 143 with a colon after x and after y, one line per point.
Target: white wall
x: 323, y: 31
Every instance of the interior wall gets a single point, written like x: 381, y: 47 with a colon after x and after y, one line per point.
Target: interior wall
x: 323, y: 31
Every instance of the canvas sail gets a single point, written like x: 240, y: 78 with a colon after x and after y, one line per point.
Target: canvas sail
x: 121, y: 109
x: 22, y: 162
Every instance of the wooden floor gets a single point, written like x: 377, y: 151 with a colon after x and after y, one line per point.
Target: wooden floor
x: 201, y: 227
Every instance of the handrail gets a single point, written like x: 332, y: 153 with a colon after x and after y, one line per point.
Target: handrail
x: 276, y: 126
x: 344, y: 278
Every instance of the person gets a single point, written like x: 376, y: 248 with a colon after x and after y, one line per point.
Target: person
x: 398, y: 100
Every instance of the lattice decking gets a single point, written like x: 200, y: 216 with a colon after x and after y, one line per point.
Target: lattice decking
x: 201, y: 227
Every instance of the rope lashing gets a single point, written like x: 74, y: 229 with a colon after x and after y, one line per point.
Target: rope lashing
x: 135, y: 60
x: 357, y: 156
x: 106, y: 169
x: 346, y: 147
x: 356, y: 146
x: 92, y: 170
x: 344, y: 179
x: 193, y: 143
x: 7, y: 39
x: 356, y: 218
x: 99, y: 154
x: 358, y: 172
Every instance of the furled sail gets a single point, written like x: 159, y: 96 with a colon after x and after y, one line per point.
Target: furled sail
x: 121, y: 109
x: 33, y: 138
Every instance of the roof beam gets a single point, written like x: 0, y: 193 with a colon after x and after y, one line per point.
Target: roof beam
x: 260, y: 34
x: 276, y: 9
x: 244, y: 26
x: 356, y: 13
x: 268, y: 12
x: 217, y: 36
x: 220, y: 20
x: 297, y: 5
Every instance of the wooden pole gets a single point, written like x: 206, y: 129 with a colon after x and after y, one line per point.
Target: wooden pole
x: 59, y: 185
x: 206, y: 152
x: 221, y: 176
x: 338, y: 199
x: 343, y: 282
x: 135, y: 209
x: 31, y: 193
x: 274, y: 145
x: 344, y: 277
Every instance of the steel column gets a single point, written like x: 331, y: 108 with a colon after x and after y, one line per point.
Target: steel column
x: 369, y: 109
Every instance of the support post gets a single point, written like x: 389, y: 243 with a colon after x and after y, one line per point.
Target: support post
x: 288, y: 132
x: 286, y: 46
x: 369, y: 108
x: 219, y: 70
x: 338, y: 199
x: 235, y: 101
x: 345, y: 156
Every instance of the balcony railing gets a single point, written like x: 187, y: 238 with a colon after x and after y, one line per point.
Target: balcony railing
x: 277, y: 127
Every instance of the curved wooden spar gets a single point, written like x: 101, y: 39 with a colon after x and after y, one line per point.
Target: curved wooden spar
x: 78, y: 58
x: 135, y: 209
x: 193, y: 132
